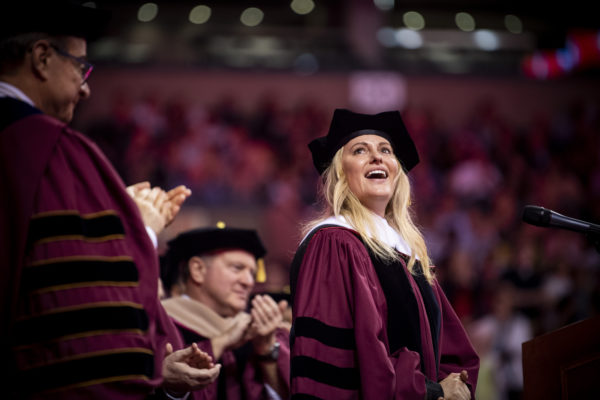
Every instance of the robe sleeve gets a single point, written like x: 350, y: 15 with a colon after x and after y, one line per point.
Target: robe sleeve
x: 283, y: 362
x: 456, y: 351
x: 339, y: 346
x: 88, y: 323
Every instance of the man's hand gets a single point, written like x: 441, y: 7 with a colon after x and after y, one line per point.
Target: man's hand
x: 455, y: 387
x: 187, y: 370
x: 157, y: 207
x: 175, y: 198
x: 267, y: 316
x: 286, y: 312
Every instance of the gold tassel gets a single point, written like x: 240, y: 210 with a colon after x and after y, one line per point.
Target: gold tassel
x: 261, y: 272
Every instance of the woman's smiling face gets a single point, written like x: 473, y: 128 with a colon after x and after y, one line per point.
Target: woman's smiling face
x: 371, y: 168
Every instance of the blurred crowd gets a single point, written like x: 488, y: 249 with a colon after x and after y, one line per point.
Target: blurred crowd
x: 508, y: 281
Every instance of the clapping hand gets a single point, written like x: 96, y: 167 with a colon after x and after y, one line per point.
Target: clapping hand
x: 188, y: 370
x: 157, y: 207
x: 267, y: 316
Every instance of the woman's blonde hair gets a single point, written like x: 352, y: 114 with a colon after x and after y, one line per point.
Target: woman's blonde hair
x: 340, y: 201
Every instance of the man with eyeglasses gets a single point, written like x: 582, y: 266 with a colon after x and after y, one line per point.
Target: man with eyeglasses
x: 80, y: 315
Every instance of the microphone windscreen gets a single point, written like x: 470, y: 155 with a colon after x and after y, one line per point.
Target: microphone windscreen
x: 535, y: 215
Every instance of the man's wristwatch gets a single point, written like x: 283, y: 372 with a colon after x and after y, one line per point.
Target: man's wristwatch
x: 272, y: 355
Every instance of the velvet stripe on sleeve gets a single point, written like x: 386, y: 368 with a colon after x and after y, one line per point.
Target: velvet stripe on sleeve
x: 85, y: 320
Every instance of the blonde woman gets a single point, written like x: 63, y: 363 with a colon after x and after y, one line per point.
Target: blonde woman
x: 370, y: 320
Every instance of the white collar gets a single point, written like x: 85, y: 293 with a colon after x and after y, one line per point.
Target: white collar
x: 384, y: 232
x: 8, y: 90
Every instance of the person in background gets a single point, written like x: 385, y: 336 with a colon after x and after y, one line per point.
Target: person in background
x: 370, y: 321
x: 80, y: 312
x: 216, y: 269
x: 502, y: 334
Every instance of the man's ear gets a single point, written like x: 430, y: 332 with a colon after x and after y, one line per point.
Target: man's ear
x: 197, y: 267
x: 41, y: 56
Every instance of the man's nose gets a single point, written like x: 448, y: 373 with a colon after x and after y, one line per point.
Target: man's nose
x: 248, y: 278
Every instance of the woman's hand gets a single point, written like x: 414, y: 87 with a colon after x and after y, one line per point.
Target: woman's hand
x: 455, y: 387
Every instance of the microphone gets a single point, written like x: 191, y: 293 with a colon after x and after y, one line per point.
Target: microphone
x: 540, y: 216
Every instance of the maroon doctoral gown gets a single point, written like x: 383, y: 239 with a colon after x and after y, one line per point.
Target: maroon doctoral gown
x: 363, y: 329
x: 78, y: 272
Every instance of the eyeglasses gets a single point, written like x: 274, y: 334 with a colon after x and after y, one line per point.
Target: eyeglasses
x: 86, y: 67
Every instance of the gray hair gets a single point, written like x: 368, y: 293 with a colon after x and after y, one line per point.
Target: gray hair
x: 14, y: 48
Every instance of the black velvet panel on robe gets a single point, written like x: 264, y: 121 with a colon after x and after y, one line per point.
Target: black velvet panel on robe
x: 12, y: 110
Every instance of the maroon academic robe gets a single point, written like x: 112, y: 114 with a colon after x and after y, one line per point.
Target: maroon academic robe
x: 240, y: 377
x: 367, y: 331
x: 80, y: 311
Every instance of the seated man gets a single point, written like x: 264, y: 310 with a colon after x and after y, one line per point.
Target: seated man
x: 217, y: 269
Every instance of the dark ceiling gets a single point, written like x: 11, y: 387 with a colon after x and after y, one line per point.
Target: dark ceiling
x: 336, y: 35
